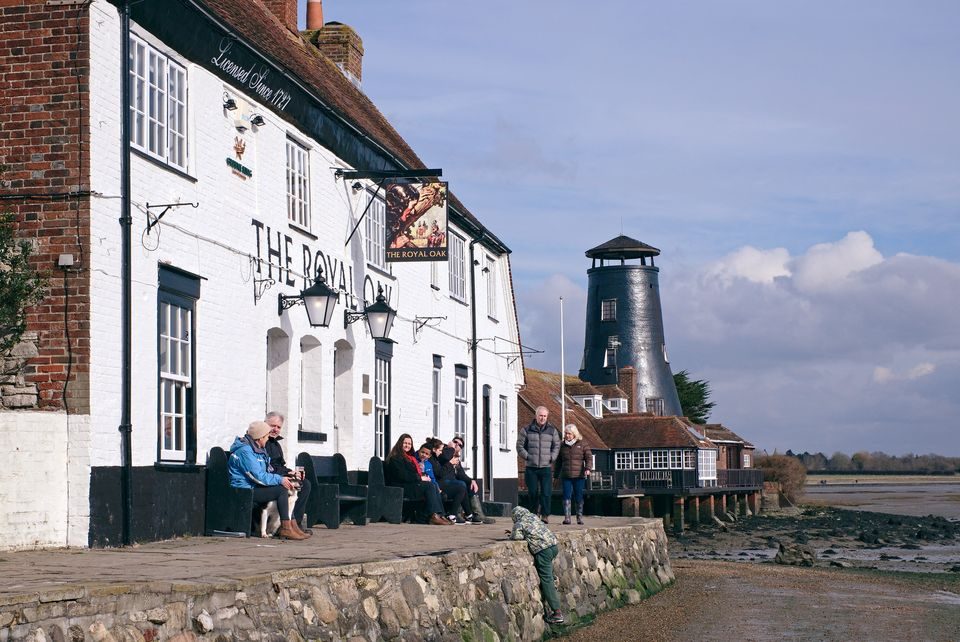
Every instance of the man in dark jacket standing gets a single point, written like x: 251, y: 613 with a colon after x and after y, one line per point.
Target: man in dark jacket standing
x: 279, y: 466
x: 538, y: 446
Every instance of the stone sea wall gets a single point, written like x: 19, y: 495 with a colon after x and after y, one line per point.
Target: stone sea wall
x: 487, y: 595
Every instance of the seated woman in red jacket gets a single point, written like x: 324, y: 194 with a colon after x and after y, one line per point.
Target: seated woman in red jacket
x: 402, y: 469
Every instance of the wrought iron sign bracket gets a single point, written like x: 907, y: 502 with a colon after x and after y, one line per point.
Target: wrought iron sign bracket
x: 166, y: 208
x: 381, y: 177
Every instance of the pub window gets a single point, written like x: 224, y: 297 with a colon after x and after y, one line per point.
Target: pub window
x: 177, y: 297
x: 435, y: 392
x: 375, y: 232
x: 504, y: 439
x: 491, y: 272
x: 298, y: 184
x: 458, y: 274
x: 460, y: 404
x: 158, y: 104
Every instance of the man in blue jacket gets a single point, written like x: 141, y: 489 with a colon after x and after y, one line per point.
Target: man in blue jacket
x: 538, y: 445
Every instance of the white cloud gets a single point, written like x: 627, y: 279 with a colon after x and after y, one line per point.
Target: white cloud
x: 759, y: 266
x: 827, y: 266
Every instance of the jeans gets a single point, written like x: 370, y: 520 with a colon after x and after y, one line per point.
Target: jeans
x: 540, y: 487
x: 455, y: 492
x: 544, y: 563
x: 431, y: 498
x: 573, y: 487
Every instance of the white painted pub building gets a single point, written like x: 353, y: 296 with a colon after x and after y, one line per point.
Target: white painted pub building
x: 228, y: 182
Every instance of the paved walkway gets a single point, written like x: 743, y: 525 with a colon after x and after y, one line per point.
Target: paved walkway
x: 213, y: 560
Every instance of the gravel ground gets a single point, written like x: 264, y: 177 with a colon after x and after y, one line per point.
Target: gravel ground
x: 735, y: 601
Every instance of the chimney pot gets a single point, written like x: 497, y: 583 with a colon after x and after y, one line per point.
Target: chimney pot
x: 314, y: 14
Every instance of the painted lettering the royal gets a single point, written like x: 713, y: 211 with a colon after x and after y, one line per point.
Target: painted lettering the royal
x: 253, y: 77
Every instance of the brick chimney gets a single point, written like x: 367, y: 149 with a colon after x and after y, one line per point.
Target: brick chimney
x: 286, y: 10
x: 628, y: 383
x: 337, y: 41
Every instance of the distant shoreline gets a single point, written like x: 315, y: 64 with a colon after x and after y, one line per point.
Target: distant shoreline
x: 853, y: 479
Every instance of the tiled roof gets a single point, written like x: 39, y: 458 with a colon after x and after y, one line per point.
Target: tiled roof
x: 637, y: 431
x: 719, y: 432
x: 543, y: 389
x: 581, y: 389
x: 254, y: 22
x: 611, y: 391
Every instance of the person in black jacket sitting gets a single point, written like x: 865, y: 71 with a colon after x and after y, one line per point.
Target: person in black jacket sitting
x: 278, y: 465
x: 402, y: 469
x: 451, y: 464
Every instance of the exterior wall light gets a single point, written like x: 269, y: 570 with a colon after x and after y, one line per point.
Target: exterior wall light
x: 379, y: 316
x: 257, y: 120
x: 229, y: 103
x: 320, y: 300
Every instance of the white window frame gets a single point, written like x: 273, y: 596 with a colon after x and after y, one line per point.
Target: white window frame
x: 435, y: 388
x: 460, y: 401
x: 458, y: 272
x: 660, y: 459
x: 375, y: 232
x: 622, y: 460
x: 491, y: 288
x: 747, y: 463
x: 689, y: 460
x: 641, y: 459
x: 610, y: 358
x: 707, y: 465
x: 381, y: 384
x: 676, y: 460
x: 654, y: 405
x: 175, y: 331
x: 504, y: 436
x: 298, y: 184
x: 158, y: 104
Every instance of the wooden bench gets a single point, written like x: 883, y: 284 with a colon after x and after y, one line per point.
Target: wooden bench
x: 383, y: 502
x: 229, y: 510
x: 333, y: 498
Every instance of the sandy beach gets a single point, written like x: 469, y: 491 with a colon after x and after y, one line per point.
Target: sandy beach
x: 891, y: 575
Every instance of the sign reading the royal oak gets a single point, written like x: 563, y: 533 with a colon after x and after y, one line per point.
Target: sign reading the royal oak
x: 416, y: 227
x: 279, y: 258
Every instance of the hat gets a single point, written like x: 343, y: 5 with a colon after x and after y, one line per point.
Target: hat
x: 258, y: 429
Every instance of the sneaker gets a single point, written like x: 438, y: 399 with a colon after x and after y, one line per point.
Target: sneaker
x: 554, y: 618
x: 459, y: 520
x: 475, y: 519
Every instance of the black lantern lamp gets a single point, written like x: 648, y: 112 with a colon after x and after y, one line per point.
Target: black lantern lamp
x: 379, y: 316
x: 319, y: 299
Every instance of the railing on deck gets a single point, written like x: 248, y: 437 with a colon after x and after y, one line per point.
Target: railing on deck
x: 640, y: 480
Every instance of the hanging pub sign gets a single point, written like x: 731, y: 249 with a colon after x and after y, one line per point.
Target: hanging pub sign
x: 416, y: 225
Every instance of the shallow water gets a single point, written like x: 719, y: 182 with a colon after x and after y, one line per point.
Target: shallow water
x: 917, y: 499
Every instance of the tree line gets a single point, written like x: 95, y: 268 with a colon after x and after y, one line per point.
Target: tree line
x: 877, y: 462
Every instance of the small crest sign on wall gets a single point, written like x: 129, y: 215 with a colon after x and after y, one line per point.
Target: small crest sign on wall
x: 416, y: 225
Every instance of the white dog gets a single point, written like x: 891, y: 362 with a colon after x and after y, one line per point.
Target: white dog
x: 270, y: 515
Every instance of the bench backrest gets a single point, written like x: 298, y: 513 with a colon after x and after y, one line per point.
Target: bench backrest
x: 327, y: 469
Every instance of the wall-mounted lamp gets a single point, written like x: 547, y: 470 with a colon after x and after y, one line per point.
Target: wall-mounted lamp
x: 485, y: 270
x: 257, y: 120
x: 319, y: 299
x: 356, y: 187
x: 229, y: 103
x: 379, y: 316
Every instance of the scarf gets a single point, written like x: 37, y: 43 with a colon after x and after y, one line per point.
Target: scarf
x: 416, y: 463
x: 570, y: 443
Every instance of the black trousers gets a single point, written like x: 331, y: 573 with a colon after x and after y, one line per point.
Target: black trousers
x: 540, y: 487
x: 266, y: 494
x: 455, y: 492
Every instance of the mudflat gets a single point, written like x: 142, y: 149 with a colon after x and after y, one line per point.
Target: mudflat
x: 737, y: 601
x: 874, y: 576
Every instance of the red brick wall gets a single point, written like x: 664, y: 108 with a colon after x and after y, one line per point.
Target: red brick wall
x: 43, y: 99
x: 286, y: 10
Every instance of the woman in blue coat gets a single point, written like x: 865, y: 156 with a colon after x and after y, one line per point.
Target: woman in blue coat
x: 249, y: 467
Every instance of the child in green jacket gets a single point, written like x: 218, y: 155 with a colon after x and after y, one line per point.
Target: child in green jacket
x: 543, y: 546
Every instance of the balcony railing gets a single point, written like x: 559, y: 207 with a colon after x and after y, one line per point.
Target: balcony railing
x: 640, y: 480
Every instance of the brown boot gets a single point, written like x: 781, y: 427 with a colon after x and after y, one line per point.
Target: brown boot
x: 437, y: 520
x: 300, y: 530
x: 289, y: 530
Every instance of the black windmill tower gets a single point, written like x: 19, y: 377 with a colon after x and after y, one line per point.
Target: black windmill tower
x: 625, y: 324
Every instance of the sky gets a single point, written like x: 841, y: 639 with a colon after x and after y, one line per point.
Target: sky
x: 797, y: 164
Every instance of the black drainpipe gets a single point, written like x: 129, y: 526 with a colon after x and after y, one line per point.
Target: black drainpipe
x: 473, y: 351
x: 126, y: 223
